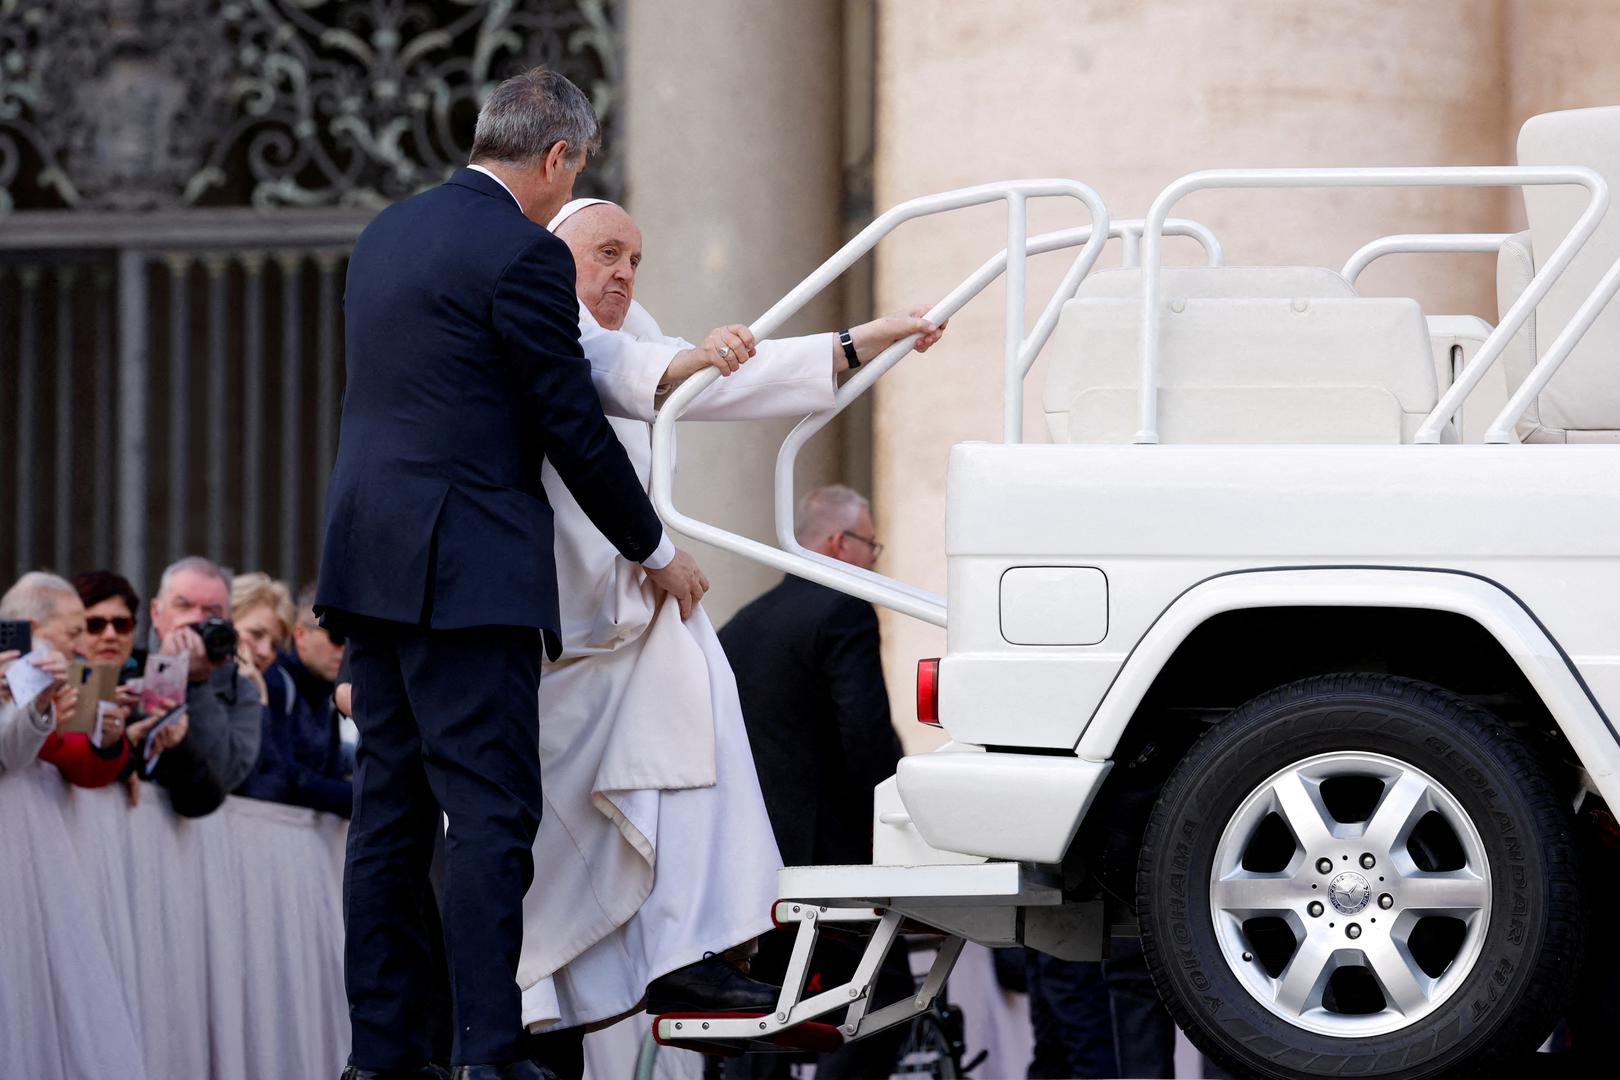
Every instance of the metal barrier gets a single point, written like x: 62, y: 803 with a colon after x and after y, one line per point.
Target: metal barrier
x: 175, y: 380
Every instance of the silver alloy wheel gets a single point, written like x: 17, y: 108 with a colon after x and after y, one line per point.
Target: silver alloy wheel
x: 1341, y: 912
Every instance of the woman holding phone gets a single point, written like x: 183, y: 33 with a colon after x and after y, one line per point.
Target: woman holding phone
x: 110, y: 604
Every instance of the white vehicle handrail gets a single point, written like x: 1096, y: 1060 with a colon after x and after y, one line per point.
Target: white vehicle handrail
x: 1422, y: 243
x: 853, y: 580
x: 1129, y: 230
x: 1501, y: 429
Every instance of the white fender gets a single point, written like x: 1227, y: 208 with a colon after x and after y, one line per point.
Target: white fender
x: 1590, y: 733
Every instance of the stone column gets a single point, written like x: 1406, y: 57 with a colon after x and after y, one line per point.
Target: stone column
x: 1127, y: 96
x: 733, y: 150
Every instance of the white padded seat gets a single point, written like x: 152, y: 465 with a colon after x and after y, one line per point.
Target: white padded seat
x: 1220, y: 282
x: 1247, y: 355
x: 1582, y: 402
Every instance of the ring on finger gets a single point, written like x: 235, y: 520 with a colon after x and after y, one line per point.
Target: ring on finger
x: 723, y: 351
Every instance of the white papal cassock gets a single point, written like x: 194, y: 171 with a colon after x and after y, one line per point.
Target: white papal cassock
x: 655, y: 847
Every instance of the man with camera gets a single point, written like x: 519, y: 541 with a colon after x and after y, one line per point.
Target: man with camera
x: 222, y: 705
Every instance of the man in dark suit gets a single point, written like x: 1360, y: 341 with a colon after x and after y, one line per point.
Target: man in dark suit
x: 810, y: 679
x: 464, y: 373
x: 813, y: 698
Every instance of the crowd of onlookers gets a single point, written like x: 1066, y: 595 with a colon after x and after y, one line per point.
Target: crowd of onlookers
x: 246, y: 705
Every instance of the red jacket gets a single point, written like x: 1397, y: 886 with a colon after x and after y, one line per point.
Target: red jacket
x: 82, y: 764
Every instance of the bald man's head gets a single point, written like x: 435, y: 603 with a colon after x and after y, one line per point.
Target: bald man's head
x: 607, y: 250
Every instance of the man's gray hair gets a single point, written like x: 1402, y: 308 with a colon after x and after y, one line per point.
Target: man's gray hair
x: 194, y: 564
x: 528, y: 114
x: 306, y: 606
x: 825, y: 511
x: 35, y: 597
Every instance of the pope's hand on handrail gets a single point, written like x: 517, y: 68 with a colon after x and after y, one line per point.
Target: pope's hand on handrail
x: 853, y: 580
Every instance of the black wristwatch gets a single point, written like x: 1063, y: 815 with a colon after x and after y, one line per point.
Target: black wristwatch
x: 849, y: 349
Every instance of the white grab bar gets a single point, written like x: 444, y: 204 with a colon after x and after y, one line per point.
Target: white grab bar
x: 1129, y: 230
x: 866, y: 584
x: 1422, y: 243
x: 1463, y: 176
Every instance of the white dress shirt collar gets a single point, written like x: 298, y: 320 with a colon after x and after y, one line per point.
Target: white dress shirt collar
x: 499, y: 181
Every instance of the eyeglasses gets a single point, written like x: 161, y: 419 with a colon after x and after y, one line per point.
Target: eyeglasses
x: 871, y: 542
x: 122, y: 624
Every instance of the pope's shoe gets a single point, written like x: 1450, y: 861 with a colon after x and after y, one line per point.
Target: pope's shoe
x: 712, y: 984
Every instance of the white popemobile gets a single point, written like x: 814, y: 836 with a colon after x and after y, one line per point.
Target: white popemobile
x: 1297, y: 650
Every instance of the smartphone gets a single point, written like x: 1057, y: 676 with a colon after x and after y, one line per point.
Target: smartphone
x: 164, y: 678
x: 96, y: 683
x: 16, y: 634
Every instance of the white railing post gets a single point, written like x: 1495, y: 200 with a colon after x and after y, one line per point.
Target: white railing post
x: 1012, y: 380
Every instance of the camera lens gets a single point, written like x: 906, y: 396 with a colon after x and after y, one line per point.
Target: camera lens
x: 218, y: 638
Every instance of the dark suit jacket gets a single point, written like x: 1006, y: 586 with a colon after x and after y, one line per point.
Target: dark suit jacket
x: 464, y: 371
x: 817, y: 711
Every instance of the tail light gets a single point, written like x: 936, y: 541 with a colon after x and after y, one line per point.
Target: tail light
x: 928, y: 692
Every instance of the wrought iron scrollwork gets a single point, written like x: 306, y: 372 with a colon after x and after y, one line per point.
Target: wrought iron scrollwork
x: 139, y: 104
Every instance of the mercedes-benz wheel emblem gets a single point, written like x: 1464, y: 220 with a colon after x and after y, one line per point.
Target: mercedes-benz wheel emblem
x: 1349, y: 892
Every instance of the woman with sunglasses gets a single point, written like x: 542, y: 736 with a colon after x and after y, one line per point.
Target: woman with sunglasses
x: 110, y: 604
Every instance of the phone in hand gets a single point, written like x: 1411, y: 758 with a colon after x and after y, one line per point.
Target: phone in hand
x: 163, y: 681
x: 16, y: 634
x: 97, y: 683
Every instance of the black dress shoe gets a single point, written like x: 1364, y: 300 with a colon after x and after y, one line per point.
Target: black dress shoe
x: 710, y: 985
x: 515, y: 1070
x: 429, y: 1071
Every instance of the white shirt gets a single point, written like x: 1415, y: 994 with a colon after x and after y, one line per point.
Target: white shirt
x: 664, y: 553
x: 498, y: 180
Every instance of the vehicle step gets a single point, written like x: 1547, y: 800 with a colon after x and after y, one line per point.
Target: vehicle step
x: 946, y: 885
x: 671, y: 1029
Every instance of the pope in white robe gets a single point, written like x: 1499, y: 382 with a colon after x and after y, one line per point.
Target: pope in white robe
x: 655, y: 848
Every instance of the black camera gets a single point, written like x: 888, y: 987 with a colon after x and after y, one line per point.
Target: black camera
x: 218, y: 638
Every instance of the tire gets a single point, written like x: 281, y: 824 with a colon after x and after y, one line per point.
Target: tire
x: 1454, y: 951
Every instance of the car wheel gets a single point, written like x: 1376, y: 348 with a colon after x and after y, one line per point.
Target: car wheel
x: 1360, y: 874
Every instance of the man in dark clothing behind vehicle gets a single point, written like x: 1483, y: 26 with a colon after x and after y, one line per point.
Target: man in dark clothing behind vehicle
x: 810, y: 678
x: 813, y: 697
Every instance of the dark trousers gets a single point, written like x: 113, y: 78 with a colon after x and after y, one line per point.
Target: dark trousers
x: 447, y: 722
x: 1099, y: 1020
x: 1144, y: 1034
x: 1071, y: 1018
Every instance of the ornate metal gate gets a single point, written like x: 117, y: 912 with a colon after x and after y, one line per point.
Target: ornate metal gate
x: 180, y: 183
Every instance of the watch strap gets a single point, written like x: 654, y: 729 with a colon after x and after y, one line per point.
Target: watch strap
x: 849, y: 349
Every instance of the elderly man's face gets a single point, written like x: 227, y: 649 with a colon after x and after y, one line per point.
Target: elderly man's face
x: 190, y: 598
x: 64, y: 630
x: 607, y: 250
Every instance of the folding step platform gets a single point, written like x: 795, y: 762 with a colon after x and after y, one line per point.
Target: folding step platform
x: 987, y: 902
x: 690, y: 1031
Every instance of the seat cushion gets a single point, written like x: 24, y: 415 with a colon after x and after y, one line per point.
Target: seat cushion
x: 1585, y: 394
x: 1252, y: 370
